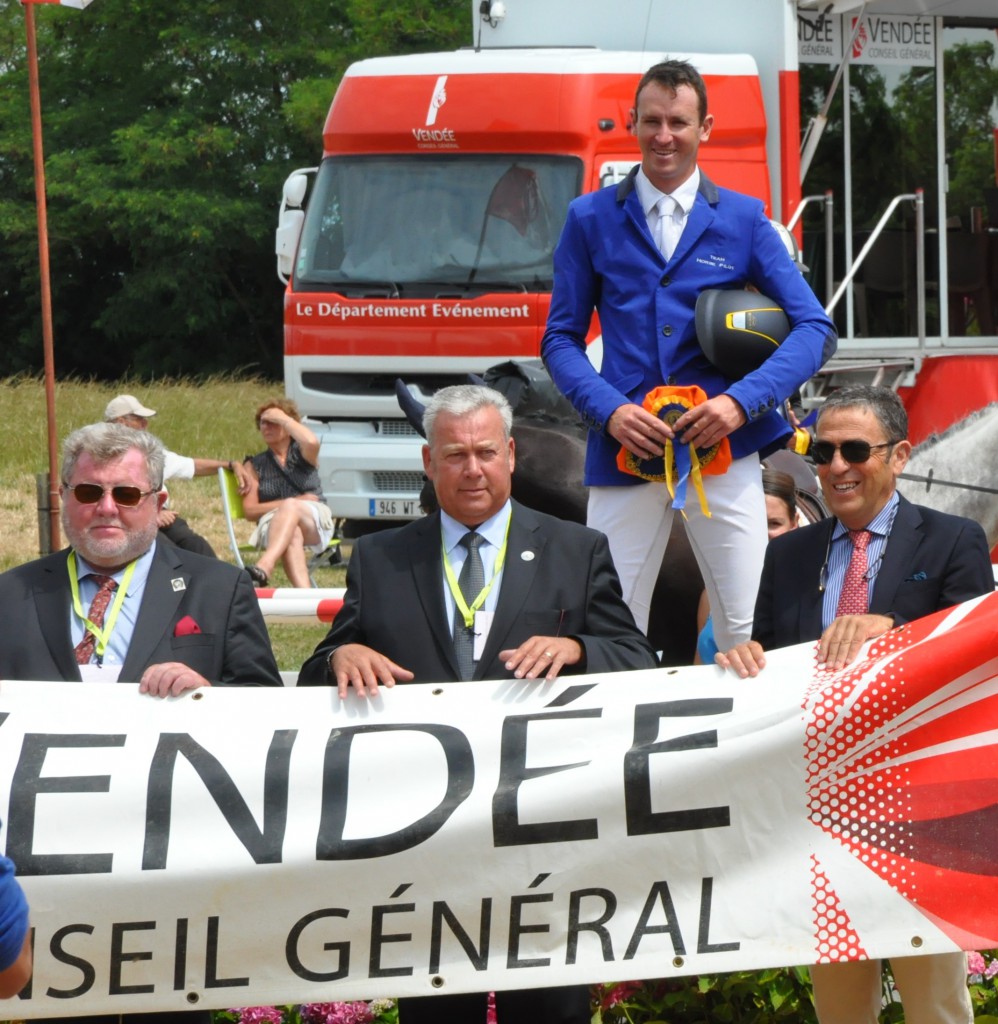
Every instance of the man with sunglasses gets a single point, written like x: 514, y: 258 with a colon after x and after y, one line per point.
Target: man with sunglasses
x: 119, y: 605
x: 900, y: 562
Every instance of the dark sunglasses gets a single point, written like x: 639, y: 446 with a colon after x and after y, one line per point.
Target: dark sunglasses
x: 126, y: 497
x: 854, y: 452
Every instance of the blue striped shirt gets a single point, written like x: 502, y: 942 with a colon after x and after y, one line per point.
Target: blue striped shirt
x: 840, y: 552
x: 121, y: 636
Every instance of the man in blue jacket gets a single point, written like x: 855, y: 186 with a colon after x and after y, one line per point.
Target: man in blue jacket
x: 640, y: 254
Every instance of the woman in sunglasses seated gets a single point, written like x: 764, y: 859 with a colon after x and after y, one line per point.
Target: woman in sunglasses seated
x: 285, y: 496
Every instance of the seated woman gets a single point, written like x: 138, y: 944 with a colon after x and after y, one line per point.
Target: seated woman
x: 285, y: 496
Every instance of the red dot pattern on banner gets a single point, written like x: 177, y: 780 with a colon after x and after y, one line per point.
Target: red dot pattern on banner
x: 856, y: 787
x: 835, y: 938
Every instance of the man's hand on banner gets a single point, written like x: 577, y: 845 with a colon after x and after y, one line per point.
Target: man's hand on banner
x: 745, y: 660
x: 364, y: 668
x: 542, y: 656
x: 840, y: 643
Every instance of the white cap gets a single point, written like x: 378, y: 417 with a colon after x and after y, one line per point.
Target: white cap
x: 126, y: 405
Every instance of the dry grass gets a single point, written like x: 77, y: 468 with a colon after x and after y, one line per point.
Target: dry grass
x: 211, y: 418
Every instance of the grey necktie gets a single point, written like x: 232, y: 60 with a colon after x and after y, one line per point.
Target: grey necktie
x: 471, y: 581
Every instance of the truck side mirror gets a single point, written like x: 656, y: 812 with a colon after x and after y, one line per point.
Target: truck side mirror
x: 290, y: 220
x: 286, y: 241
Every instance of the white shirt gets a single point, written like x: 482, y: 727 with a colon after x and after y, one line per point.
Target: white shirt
x: 178, y: 467
x: 649, y: 196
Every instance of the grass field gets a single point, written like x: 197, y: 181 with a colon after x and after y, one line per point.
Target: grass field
x: 212, y: 418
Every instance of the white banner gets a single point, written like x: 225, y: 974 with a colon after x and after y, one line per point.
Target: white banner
x: 882, y: 39
x: 253, y: 846
x: 819, y: 38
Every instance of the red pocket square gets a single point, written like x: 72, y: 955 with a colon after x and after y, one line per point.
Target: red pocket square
x: 186, y: 626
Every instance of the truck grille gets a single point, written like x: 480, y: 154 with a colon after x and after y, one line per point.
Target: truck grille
x: 399, y: 482
x: 395, y: 428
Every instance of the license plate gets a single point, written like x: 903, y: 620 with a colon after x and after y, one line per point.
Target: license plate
x: 396, y: 508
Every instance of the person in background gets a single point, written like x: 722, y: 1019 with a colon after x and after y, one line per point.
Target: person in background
x: 878, y: 562
x: 15, y: 938
x: 284, y: 496
x: 483, y: 588
x: 128, y: 410
x: 639, y: 254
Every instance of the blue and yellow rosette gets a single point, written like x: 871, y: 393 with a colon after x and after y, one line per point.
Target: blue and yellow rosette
x: 678, y: 462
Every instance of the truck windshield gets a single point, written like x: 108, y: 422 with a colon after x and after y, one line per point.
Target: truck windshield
x: 426, y: 225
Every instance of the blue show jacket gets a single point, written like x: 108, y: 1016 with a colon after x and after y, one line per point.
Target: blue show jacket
x: 606, y: 259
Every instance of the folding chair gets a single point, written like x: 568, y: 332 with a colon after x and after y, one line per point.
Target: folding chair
x: 232, y: 505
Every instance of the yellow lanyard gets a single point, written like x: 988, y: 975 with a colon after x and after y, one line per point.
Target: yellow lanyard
x: 103, y: 636
x: 468, y: 611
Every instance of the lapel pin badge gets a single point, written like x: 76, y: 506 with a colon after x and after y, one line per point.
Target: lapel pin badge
x: 527, y: 556
x: 178, y: 585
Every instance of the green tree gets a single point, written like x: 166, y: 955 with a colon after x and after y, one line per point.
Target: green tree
x: 971, y: 91
x: 169, y: 129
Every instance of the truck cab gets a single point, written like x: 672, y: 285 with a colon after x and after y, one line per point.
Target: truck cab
x: 426, y: 247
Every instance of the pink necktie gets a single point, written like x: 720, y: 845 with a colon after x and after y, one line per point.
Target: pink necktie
x: 106, y: 587
x: 854, y: 599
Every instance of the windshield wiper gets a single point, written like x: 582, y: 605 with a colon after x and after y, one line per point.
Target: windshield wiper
x: 478, y: 285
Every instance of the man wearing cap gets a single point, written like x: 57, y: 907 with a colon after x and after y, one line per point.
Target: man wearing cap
x: 640, y: 254
x: 127, y: 409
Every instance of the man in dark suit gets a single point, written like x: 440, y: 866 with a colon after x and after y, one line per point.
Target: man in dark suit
x: 544, y: 599
x: 171, y: 620
x: 879, y: 563
x: 121, y: 606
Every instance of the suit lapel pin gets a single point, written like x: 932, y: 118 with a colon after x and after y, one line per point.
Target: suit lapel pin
x: 527, y: 556
x: 178, y: 585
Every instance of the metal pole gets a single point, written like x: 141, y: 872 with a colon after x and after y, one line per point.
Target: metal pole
x: 920, y: 266
x: 42, y: 496
x: 852, y: 271
x: 43, y: 267
x: 829, y: 243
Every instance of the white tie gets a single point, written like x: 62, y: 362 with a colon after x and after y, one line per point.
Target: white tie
x: 670, y: 225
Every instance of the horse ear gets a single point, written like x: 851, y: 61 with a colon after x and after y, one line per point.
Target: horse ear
x: 412, y: 408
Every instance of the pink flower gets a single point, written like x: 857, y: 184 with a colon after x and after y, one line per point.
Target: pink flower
x: 619, y: 993
x: 992, y: 969
x: 259, y: 1015
x: 337, y: 1013
x: 975, y: 963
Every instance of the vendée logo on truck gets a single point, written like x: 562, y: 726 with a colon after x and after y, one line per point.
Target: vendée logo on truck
x: 430, y: 137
